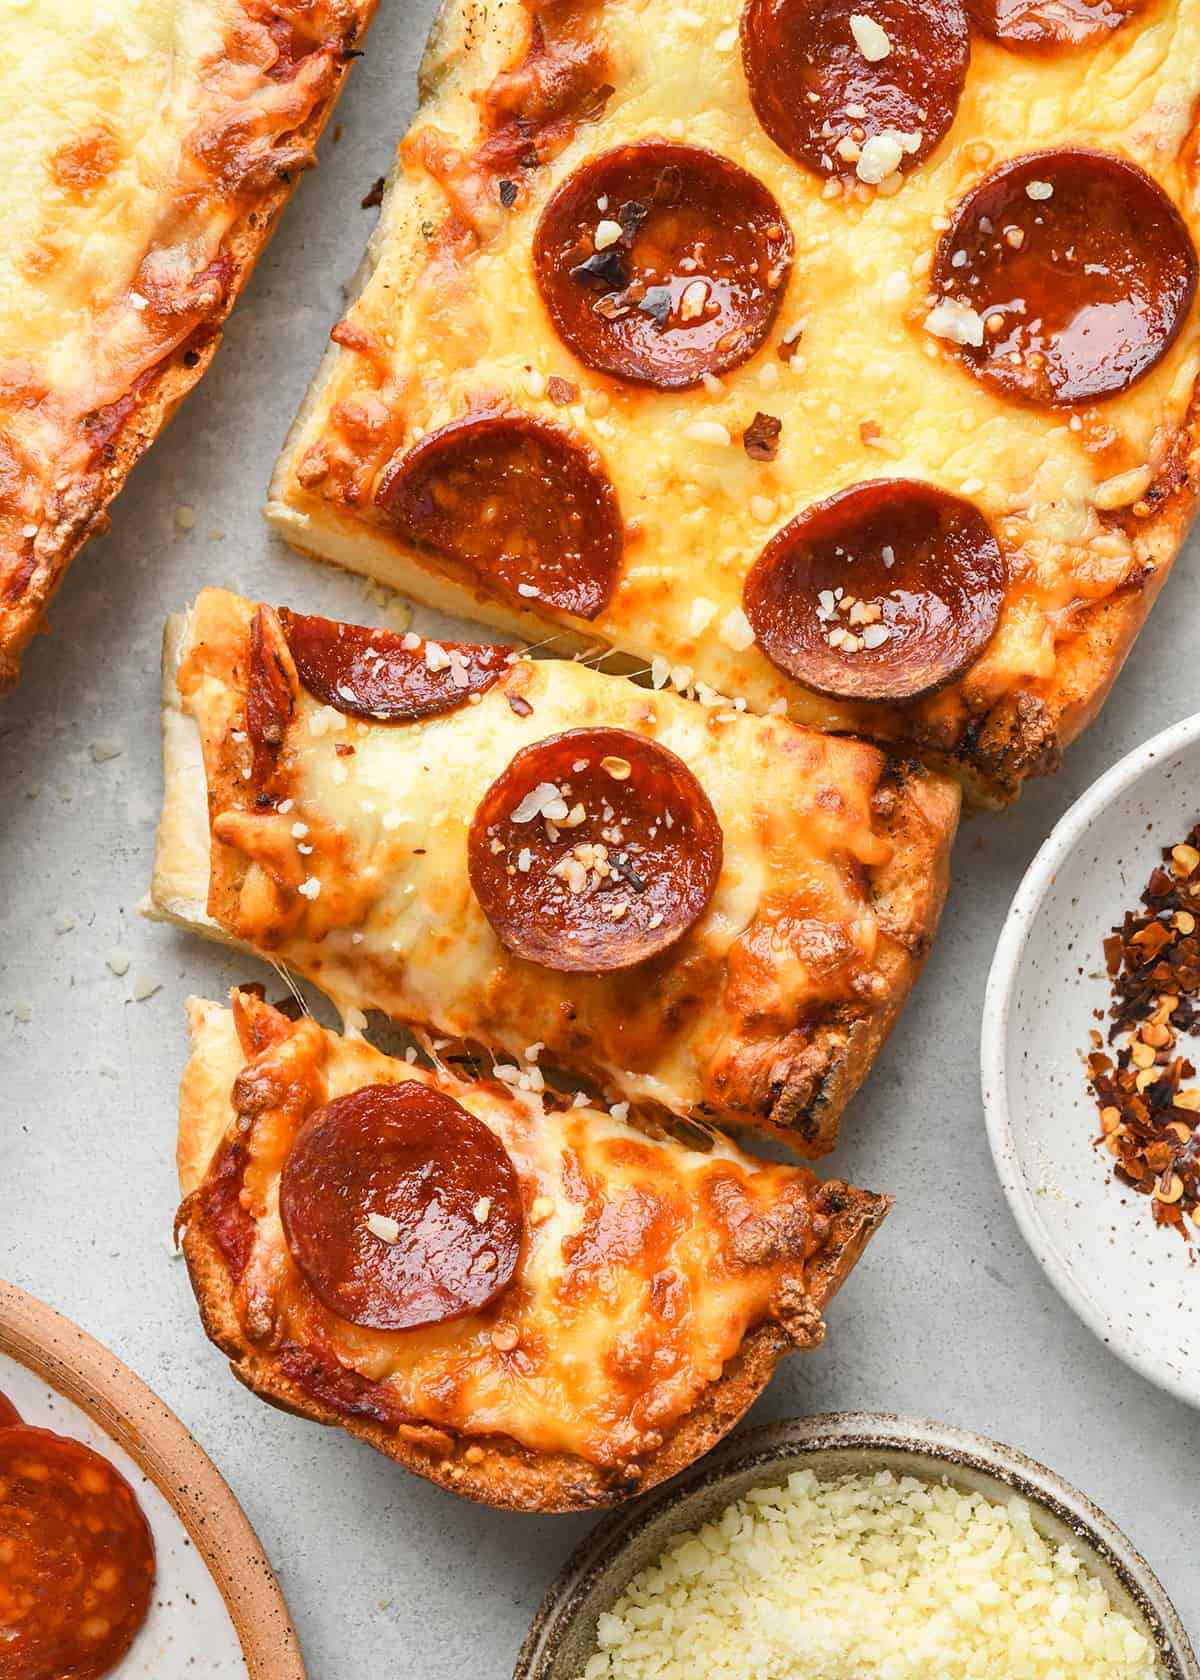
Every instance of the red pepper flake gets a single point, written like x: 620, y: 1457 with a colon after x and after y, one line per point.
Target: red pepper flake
x: 374, y: 196
x: 520, y: 705
x: 1149, y: 1115
x: 343, y: 749
x: 760, y: 440
x: 561, y: 391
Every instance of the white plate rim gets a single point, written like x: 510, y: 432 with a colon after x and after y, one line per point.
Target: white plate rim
x: 997, y: 1008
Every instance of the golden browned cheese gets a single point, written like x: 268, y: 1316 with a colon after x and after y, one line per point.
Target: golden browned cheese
x: 1089, y: 506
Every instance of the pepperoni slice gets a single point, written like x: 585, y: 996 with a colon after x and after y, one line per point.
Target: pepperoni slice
x: 8, y: 1412
x: 856, y: 89
x: 1044, y: 25
x: 522, y: 506
x: 269, y: 699
x: 76, y: 1559
x: 1065, y: 277
x: 661, y: 263
x: 594, y: 850
x: 389, y: 678
x: 886, y: 591
x: 400, y: 1208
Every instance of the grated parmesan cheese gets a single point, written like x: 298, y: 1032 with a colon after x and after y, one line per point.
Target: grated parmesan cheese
x: 870, y: 38
x: 869, y: 1577
x: 956, y: 322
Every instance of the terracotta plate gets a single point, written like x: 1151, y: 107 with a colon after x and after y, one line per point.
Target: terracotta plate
x: 215, y: 1591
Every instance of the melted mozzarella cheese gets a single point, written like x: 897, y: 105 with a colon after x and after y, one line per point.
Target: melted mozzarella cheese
x: 360, y: 880
x: 633, y: 1290
x: 95, y: 105
x: 869, y: 394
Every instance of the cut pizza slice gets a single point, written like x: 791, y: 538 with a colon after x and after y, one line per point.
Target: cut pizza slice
x: 702, y: 911
x: 149, y: 146
x: 829, y: 356
x: 526, y: 1301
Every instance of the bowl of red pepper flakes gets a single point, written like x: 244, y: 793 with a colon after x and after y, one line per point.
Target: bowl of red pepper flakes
x: 1149, y: 1110
x: 1090, y: 1058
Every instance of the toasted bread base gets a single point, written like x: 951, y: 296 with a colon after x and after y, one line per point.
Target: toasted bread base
x: 506, y: 1475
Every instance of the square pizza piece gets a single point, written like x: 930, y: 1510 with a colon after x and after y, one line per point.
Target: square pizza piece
x: 821, y: 354
x: 706, y: 914
x: 526, y: 1301
x: 148, y: 146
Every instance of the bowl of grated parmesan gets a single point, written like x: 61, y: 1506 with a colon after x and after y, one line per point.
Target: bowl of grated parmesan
x: 859, y: 1547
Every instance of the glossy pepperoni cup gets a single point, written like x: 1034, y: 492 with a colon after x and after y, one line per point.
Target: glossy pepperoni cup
x: 1048, y: 25
x: 594, y: 850
x: 388, y: 678
x: 661, y: 263
x: 78, y: 1558
x: 885, y: 592
x: 1065, y: 277
x: 400, y: 1208
x: 855, y: 89
x: 522, y: 507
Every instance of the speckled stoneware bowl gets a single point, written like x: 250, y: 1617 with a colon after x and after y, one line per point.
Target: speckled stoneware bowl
x: 563, y: 1635
x: 216, y: 1603
x: 1130, y: 1281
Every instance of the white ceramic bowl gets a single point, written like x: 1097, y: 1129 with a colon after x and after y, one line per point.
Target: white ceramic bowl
x: 1130, y: 1281
x: 563, y: 1634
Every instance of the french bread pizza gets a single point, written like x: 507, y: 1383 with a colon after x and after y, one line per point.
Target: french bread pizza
x: 148, y: 146
x: 526, y: 1301
x: 832, y: 354
x: 703, y: 912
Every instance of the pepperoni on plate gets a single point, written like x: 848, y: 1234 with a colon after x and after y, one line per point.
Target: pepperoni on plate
x: 520, y: 505
x: 856, y: 89
x: 660, y: 263
x: 1064, y: 277
x: 886, y: 591
x: 1043, y: 25
x: 8, y: 1412
x: 78, y: 1559
x: 389, y: 678
x: 595, y: 849
x: 400, y: 1208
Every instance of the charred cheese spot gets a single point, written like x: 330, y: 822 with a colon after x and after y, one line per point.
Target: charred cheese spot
x: 82, y: 165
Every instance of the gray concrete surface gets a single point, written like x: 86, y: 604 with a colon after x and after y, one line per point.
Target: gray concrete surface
x: 948, y: 1317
